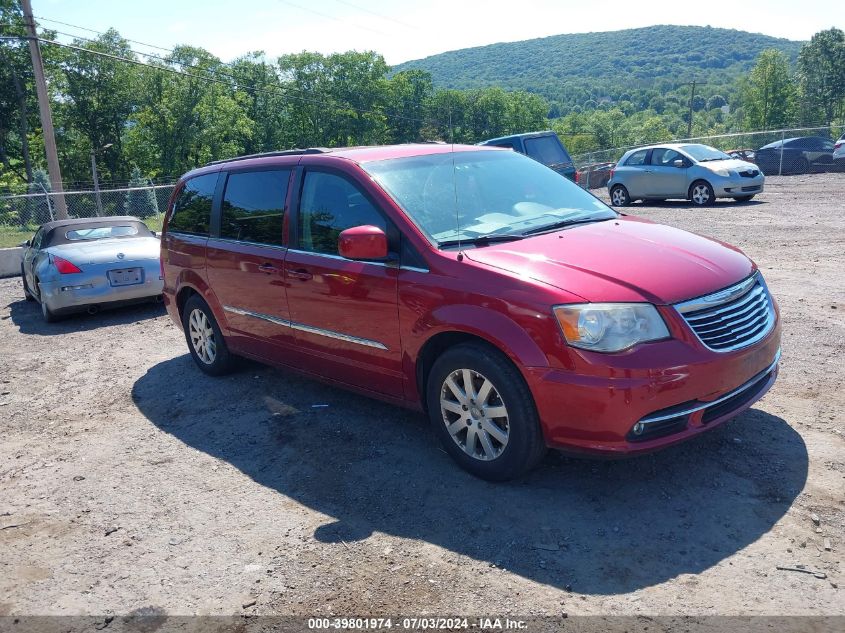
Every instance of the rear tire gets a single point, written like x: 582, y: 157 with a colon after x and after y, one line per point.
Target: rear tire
x: 701, y: 193
x: 205, y: 340
x: 619, y: 196
x: 491, y: 428
x: 27, y: 293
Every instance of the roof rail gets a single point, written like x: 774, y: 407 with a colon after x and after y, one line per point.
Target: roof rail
x: 287, y: 152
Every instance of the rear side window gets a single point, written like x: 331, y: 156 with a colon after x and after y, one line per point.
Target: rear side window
x: 254, y: 206
x: 637, y: 158
x: 546, y: 150
x: 331, y: 204
x: 192, y: 209
x: 102, y: 232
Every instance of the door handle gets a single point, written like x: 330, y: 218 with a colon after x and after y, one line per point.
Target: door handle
x: 300, y: 273
x: 268, y: 268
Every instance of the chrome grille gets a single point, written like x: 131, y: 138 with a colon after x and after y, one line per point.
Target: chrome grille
x: 732, y: 318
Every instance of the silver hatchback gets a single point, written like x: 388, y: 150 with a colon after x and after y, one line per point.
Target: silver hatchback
x: 689, y: 171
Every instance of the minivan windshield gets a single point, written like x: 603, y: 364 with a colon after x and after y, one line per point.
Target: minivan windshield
x: 704, y: 153
x: 479, y: 195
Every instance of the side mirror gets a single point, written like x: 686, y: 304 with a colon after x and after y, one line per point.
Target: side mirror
x: 678, y: 163
x: 362, y: 242
x: 26, y: 244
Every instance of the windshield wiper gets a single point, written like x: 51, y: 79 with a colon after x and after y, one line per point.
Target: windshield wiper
x: 482, y: 239
x: 562, y: 224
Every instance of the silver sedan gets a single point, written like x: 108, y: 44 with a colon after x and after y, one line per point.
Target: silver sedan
x: 80, y: 265
x: 689, y: 171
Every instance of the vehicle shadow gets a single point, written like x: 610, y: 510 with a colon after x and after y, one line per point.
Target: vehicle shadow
x: 27, y: 316
x: 597, y: 527
x: 686, y: 204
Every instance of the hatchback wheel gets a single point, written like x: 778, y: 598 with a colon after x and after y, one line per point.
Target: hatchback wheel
x: 701, y: 193
x: 483, y: 413
x: 27, y: 293
x: 205, y: 341
x: 619, y: 196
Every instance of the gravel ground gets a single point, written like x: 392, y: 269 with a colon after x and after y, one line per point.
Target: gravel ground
x: 130, y: 481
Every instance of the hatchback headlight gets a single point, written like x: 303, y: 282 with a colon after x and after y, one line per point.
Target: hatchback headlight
x: 610, y: 327
x: 724, y: 173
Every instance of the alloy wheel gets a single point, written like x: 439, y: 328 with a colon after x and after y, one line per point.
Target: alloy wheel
x: 474, y: 414
x: 202, y: 336
x: 700, y: 194
x: 618, y: 197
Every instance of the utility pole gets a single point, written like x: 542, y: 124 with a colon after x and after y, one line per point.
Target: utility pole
x: 96, y: 178
x: 691, y: 97
x: 44, y: 110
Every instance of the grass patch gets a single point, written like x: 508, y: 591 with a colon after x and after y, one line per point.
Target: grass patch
x: 13, y: 235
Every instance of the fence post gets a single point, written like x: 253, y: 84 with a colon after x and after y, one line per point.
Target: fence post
x: 589, y: 169
x: 782, y: 137
x: 47, y: 198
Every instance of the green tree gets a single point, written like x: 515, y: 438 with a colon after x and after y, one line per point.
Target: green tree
x: 821, y: 73
x: 768, y: 95
x: 98, y: 94
x: 140, y: 202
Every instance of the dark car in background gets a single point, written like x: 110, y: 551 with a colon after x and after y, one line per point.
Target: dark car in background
x: 544, y: 147
x: 802, y: 155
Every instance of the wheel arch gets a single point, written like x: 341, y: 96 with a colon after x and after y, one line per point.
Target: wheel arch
x: 694, y: 183
x: 499, y: 334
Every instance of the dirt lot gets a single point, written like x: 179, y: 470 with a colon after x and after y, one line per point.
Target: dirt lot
x: 129, y: 480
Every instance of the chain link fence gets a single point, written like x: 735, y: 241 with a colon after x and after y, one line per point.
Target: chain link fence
x: 24, y: 213
x: 593, y: 168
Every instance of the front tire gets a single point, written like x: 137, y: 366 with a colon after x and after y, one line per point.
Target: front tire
x: 483, y: 413
x: 205, y: 340
x: 701, y: 193
x: 27, y: 293
x: 619, y: 196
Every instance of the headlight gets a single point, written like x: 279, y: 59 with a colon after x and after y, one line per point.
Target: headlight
x: 610, y: 327
x: 724, y: 173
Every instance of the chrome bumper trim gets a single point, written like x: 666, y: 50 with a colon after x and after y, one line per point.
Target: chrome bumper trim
x: 650, y: 419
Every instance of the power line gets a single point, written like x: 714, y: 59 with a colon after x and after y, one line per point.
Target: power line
x: 83, y: 28
x: 212, y: 74
x: 378, y: 15
x: 330, y: 17
x: 211, y: 78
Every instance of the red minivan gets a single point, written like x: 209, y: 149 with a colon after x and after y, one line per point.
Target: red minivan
x: 516, y: 309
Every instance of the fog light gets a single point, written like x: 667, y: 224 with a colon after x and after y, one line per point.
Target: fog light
x: 638, y: 429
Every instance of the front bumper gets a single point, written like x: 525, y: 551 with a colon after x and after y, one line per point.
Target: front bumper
x: 732, y: 187
x: 75, y: 292
x: 675, y: 389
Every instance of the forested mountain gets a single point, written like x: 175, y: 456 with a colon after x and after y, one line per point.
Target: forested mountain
x: 575, y: 68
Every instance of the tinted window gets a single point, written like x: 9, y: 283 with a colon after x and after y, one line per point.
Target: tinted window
x: 664, y: 157
x: 192, y: 210
x: 331, y: 204
x: 254, y: 206
x: 36, y: 241
x: 547, y: 150
x: 637, y: 158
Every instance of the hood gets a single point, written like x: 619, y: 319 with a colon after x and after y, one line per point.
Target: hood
x: 627, y: 259
x: 734, y: 164
x: 106, y: 251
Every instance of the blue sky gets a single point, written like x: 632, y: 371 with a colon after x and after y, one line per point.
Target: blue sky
x: 405, y: 29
